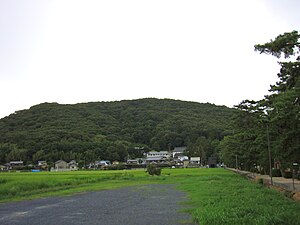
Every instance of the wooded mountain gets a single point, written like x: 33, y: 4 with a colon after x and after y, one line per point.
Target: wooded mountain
x: 109, y: 130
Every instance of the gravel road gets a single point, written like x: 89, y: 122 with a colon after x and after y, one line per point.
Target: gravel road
x: 138, y: 205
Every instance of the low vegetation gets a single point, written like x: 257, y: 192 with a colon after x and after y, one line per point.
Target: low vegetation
x: 216, y: 196
x: 152, y: 169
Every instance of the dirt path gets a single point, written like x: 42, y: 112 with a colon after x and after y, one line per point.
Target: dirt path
x: 280, y: 182
x: 147, y: 204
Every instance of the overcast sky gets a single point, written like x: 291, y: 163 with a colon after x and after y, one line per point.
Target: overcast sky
x: 70, y: 51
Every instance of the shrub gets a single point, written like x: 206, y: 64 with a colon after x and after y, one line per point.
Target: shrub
x: 276, y: 173
x: 262, y: 172
x: 116, y: 167
x: 287, y: 174
x: 254, y: 170
x: 152, y: 169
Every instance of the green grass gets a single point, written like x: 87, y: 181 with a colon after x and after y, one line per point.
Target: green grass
x: 216, y: 196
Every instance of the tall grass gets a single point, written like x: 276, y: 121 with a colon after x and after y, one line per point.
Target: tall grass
x: 222, y: 197
x: 216, y: 196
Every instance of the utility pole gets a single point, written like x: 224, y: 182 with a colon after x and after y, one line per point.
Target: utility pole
x: 269, y: 150
x: 236, y: 162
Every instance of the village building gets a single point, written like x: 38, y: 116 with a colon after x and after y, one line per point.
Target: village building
x: 158, y: 154
x: 42, y: 164
x: 16, y: 163
x: 102, y: 163
x: 72, y: 165
x: 195, y: 160
x: 178, y: 151
x: 157, y: 157
x: 60, y: 164
x: 132, y: 161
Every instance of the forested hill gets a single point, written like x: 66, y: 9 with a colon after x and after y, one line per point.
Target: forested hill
x: 110, y: 130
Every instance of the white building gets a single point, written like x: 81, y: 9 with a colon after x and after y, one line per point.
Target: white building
x: 195, y: 160
x: 178, y: 151
x: 158, y: 154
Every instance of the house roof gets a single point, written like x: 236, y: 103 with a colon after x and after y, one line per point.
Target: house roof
x: 179, y: 149
x: 155, y: 158
x: 160, y: 152
x: 16, y: 162
x: 60, y: 161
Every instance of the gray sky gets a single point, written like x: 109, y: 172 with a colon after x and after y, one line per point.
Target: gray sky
x: 70, y: 51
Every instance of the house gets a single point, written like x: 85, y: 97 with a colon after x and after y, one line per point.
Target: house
x: 7, y: 166
x: 195, y: 160
x: 158, y: 154
x: 183, y: 158
x: 72, y: 165
x: 115, y: 162
x: 157, y: 157
x: 136, y: 161
x: 60, y: 164
x: 42, y: 164
x: 2, y: 167
x: 102, y: 163
x: 132, y: 161
x: 15, y: 163
x: 178, y: 151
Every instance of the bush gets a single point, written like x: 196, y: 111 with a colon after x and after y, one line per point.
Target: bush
x: 287, y: 174
x: 116, y: 167
x: 254, y: 170
x: 152, y: 169
x: 262, y: 172
x: 276, y: 173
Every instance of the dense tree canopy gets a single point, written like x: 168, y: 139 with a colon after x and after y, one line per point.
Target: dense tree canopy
x: 109, y: 130
x: 277, y: 114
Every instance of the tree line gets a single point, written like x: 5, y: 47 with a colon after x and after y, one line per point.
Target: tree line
x: 111, y: 130
x: 273, y: 120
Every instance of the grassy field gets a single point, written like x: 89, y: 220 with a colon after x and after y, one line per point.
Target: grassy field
x: 217, y: 196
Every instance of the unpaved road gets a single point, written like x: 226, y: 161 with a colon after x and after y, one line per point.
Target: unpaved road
x: 138, y: 205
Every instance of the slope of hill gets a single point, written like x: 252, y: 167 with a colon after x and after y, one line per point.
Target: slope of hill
x: 111, y: 130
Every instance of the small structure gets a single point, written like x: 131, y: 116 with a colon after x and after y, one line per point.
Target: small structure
x: 15, y: 163
x: 195, y: 160
x: 7, y: 166
x: 178, y: 151
x: 60, y: 164
x: 102, y: 163
x: 136, y: 161
x: 132, y: 161
x: 158, y: 154
x: 72, y: 165
x: 157, y: 157
x: 183, y: 158
x: 212, y: 162
x: 115, y: 162
x: 42, y: 164
x: 2, y: 168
